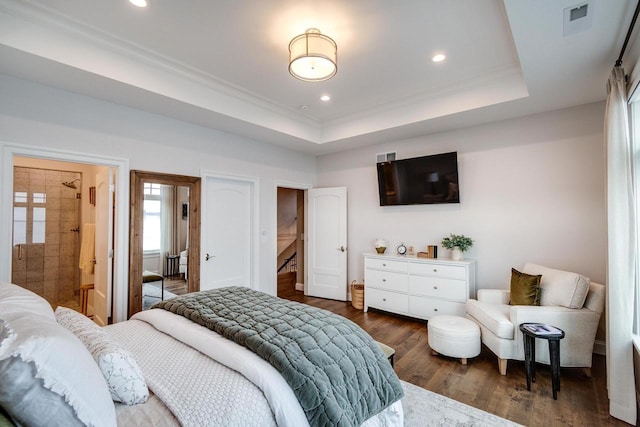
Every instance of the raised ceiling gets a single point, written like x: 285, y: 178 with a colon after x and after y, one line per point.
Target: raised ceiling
x: 223, y: 64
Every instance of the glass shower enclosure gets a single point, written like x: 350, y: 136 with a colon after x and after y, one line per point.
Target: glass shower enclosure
x: 46, y: 233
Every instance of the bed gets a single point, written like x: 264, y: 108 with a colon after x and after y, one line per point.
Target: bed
x: 166, y: 369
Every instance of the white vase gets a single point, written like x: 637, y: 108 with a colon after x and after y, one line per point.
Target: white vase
x: 456, y: 254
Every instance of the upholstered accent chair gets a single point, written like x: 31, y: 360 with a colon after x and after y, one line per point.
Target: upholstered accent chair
x: 568, y: 301
x: 184, y: 262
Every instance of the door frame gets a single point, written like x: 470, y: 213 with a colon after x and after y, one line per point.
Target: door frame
x: 136, y: 216
x: 255, y: 217
x: 120, y: 273
x: 274, y: 251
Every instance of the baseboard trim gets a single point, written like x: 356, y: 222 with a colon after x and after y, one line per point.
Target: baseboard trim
x: 600, y: 347
x: 299, y: 286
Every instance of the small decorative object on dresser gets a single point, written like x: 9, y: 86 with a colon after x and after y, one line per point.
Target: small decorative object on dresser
x: 457, y: 244
x: 418, y: 287
x: 380, y: 245
x: 401, y: 249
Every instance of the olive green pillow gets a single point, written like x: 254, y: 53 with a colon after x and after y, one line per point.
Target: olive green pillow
x: 525, y: 288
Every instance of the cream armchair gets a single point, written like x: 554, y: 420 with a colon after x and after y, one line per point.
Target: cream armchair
x: 184, y: 262
x: 499, y: 321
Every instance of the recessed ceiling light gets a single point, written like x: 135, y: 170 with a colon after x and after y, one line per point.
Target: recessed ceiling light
x: 303, y: 107
x: 139, y: 3
x: 325, y: 98
x: 439, y: 57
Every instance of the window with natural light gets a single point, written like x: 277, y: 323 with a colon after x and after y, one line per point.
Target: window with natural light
x: 151, y: 217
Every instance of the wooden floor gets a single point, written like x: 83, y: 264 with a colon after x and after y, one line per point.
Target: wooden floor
x: 175, y: 285
x: 581, y: 401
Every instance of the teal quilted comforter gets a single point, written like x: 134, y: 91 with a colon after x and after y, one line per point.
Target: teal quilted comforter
x: 338, y: 373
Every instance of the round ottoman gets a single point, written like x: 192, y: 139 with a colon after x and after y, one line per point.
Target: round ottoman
x: 454, y: 336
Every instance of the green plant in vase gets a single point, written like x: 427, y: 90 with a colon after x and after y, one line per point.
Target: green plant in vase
x: 457, y: 244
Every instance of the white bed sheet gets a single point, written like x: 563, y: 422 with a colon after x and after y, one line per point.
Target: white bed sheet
x: 196, y: 389
x: 284, y: 405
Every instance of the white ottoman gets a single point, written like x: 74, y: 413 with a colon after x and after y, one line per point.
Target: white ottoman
x: 454, y: 336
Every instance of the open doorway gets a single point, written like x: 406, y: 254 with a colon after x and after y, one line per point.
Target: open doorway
x: 165, y: 242
x: 290, y: 252
x: 172, y: 265
x: 55, y: 232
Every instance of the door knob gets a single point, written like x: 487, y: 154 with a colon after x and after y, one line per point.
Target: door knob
x: 208, y: 257
x: 342, y: 249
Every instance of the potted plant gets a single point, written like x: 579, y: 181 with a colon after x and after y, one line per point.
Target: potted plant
x: 457, y: 244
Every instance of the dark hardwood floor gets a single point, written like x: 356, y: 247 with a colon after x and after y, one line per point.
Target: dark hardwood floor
x: 581, y: 401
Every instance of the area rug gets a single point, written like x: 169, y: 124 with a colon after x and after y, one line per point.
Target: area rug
x: 425, y: 408
x: 151, y: 295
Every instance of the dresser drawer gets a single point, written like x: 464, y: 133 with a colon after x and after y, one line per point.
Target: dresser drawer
x: 386, y: 280
x: 385, y: 300
x: 425, y: 308
x: 438, y: 287
x: 386, y: 265
x: 439, y: 270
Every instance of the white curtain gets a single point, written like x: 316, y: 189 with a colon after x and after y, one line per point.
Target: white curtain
x: 621, y: 251
x: 168, y: 229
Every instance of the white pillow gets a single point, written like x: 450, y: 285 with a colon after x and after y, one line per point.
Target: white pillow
x: 15, y: 299
x: 559, y: 287
x: 47, y: 377
x: 124, y: 377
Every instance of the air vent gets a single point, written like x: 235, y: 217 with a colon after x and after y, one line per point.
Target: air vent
x: 578, y: 12
x: 577, y: 18
x: 385, y: 157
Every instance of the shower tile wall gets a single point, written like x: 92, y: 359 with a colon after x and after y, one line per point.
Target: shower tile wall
x: 46, y: 243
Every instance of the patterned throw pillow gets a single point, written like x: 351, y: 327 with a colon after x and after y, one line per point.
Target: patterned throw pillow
x: 124, y: 377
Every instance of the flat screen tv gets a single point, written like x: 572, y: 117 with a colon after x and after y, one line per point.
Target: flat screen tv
x: 419, y: 180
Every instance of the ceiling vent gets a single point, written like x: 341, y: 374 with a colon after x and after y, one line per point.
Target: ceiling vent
x: 385, y: 157
x: 577, y: 18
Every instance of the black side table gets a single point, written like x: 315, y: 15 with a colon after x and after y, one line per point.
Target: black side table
x: 530, y: 332
x: 172, y: 265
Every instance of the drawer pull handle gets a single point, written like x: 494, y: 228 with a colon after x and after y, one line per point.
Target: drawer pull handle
x: 435, y: 287
x: 384, y: 280
x: 435, y: 309
x: 435, y: 270
x: 384, y: 299
x: 384, y: 265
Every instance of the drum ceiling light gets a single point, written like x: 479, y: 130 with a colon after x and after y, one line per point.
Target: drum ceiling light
x: 313, y: 57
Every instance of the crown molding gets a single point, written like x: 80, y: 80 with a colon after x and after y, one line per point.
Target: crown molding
x: 59, y: 24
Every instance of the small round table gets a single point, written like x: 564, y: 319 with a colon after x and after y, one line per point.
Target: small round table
x: 171, y: 268
x: 530, y: 332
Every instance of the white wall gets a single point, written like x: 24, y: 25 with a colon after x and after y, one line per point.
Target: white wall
x: 37, y: 115
x: 532, y: 189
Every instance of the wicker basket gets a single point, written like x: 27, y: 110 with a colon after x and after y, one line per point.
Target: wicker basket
x: 357, y: 295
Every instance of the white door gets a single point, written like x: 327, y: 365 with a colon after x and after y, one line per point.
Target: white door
x: 327, y: 243
x: 103, y: 274
x: 227, y: 238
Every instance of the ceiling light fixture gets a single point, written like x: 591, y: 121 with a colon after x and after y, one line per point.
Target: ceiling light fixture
x: 325, y: 98
x: 139, y: 3
x: 313, y: 57
x: 439, y: 57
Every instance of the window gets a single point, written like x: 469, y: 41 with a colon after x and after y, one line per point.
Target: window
x: 151, y: 209
x: 25, y: 213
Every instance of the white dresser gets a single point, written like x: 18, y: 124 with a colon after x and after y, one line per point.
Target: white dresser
x: 418, y: 287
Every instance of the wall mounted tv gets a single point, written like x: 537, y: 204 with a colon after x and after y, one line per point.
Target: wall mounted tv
x: 419, y: 180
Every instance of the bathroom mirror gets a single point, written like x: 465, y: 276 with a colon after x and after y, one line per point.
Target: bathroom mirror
x: 136, y: 221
